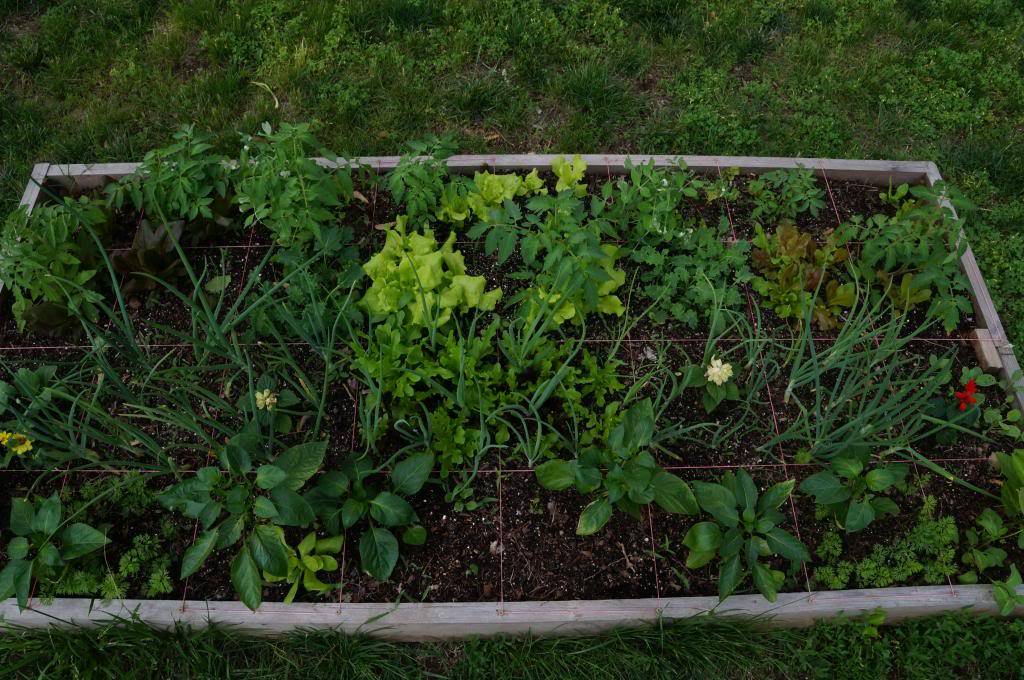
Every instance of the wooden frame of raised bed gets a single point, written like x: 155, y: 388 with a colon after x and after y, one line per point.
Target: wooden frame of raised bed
x: 423, y: 621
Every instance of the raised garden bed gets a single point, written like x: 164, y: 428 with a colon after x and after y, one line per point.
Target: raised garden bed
x: 844, y: 317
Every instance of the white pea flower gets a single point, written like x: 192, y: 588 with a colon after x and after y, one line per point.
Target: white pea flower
x: 718, y: 372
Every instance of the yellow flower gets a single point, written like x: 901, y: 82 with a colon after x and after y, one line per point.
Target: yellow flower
x: 19, y: 444
x: 718, y: 372
x: 266, y: 400
x: 4, y: 436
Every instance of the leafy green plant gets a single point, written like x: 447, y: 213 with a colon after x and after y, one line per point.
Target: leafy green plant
x: 570, y: 175
x: 913, y: 257
x: 43, y: 545
x: 1006, y: 594
x: 180, y: 181
x: 44, y: 262
x: 798, y: 276
x: 411, y: 274
x: 685, y: 273
x: 238, y: 503
x: 784, y: 194
x: 310, y: 556
x: 279, y: 186
x: 851, y: 493
x: 418, y: 181
x: 343, y: 498
x: 622, y: 472
x: 745, y: 529
x: 1011, y: 492
x: 927, y: 551
x: 982, y: 552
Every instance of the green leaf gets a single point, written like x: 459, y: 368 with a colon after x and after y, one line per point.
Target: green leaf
x: 825, y: 487
x: 765, y: 581
x: 781, y: 542
x: 292, y: 509
x: 267, y: 548
x: 729, y: 576
x: 80, y: 539
x: 703, y: 537
x: 378, y: 551
x: 301, y: 462
x: 776, y: 496
x: 556, y: 475
x: 415, y: 535
x: 217, y: 284
x: 390, y: 510
x: 198, y: 552
x: 264, y: 507
x: 17, y: 549
x: 245, y: 577
x: 47, y: 517
x: 847, y: 467
x: 411, y: 474
x: 269, y: 476
x: 859, y: 515
x: 594, y: 517
x: 236, y: 459
x: 352, y: 511
x: 22, y: 515
x: 717, y: 500
x: 882, y: 478
x: 674, y: 495
x: 16, y: 579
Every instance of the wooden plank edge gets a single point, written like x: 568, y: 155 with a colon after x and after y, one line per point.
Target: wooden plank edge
x: 984, y: 307
x: 30, y: 196
x: 881, y: 171
x: 438, y: 621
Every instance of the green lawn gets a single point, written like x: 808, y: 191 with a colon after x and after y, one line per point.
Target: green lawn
x: 935, y: 649
x: 922, y: 79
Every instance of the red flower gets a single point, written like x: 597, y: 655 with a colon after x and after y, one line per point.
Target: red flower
x: 967, y: 396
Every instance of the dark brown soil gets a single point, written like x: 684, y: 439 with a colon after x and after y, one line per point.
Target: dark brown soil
x: 546, y: 560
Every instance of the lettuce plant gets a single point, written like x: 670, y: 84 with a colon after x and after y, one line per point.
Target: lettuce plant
x: 411, y: 274
x: 570, y: 175
x: 311, y: 556
x: 797, y: 276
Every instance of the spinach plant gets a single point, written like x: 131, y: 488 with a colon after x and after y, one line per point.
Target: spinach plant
x: 744, y: 530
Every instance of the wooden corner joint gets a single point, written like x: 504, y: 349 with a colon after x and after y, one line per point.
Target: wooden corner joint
x: 985, y: 348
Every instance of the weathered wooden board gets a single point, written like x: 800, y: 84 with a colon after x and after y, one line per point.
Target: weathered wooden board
x: 440, y: 621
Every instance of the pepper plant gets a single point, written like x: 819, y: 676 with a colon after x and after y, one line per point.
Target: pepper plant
x: 622, y: 473
x: 744, y: 530
x: 43, y: 545
x: 851, y: 492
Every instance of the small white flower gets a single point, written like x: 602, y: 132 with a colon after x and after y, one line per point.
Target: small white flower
x: 718, y: 372
x: 266, y: 400
x: 285, y: 173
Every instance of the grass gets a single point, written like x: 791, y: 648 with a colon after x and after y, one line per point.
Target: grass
x: 943, y: 647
